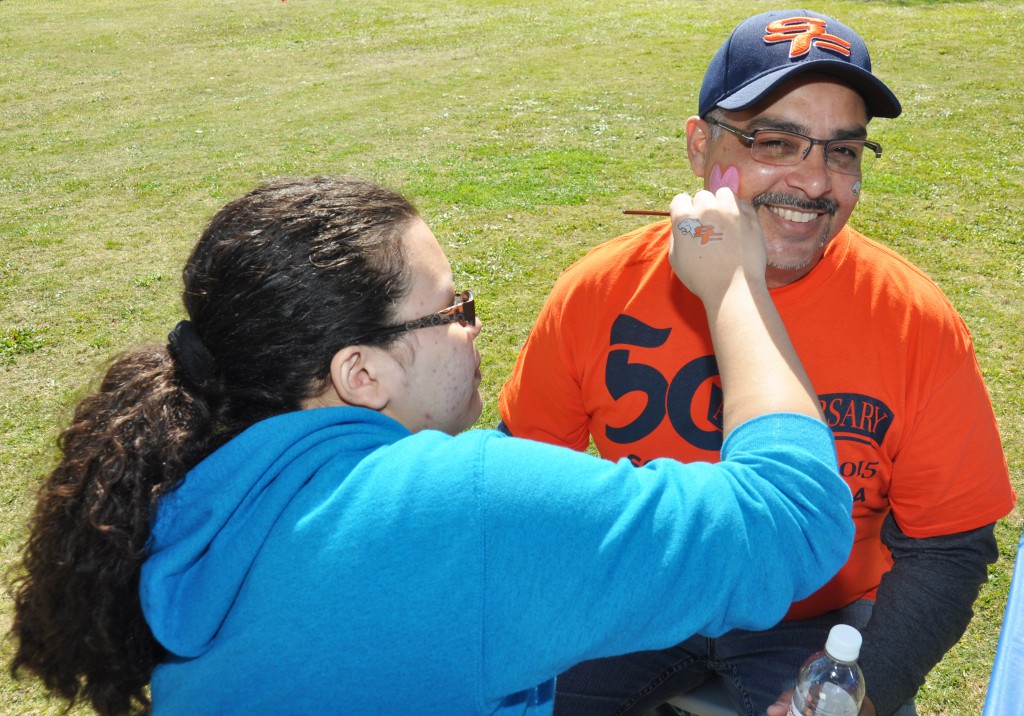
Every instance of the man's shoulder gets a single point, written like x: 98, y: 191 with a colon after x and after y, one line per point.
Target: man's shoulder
x: 891, y: 270
x: 881, y: 257
x: 902, y: 291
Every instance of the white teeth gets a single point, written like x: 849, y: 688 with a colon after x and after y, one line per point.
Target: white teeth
x: 790, y: 215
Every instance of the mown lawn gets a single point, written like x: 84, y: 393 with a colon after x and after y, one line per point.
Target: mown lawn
x: 520, y: 129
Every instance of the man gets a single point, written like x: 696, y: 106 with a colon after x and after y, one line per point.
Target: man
x: 621, y: 354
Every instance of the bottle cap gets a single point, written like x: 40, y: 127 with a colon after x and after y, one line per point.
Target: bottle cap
x: 843, y: 643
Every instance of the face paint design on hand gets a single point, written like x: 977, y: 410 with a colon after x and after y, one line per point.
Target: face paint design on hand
x: 729, y: 177
x: 699, y: 230
x: 856, y: 188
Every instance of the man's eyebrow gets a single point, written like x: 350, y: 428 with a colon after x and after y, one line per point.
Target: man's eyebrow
x: 782, y: 125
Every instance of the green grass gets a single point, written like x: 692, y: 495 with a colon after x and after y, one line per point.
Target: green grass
x: 520, y: 130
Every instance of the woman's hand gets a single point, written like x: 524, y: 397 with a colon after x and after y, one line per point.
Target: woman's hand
x: 714, y: 239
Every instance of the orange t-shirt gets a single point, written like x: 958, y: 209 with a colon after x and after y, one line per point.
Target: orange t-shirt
x: 621, y: 353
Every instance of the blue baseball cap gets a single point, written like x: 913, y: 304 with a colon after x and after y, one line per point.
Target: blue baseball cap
x: 766, y: 50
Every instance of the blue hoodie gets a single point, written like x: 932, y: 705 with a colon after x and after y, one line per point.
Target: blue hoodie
x: 329, y: 561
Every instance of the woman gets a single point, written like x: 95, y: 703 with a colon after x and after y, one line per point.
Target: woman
x: 277, y: 511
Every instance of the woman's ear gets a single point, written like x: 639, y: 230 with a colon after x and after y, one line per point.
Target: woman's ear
x: 362, y: 376
x: 696, y: 144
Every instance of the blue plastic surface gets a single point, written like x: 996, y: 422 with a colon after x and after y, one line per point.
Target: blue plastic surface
x: 1006, y: 687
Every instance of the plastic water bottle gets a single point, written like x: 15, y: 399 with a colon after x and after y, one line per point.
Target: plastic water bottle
x: 830, y: 682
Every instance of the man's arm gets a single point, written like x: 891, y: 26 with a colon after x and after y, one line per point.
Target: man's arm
x: 923, y: 606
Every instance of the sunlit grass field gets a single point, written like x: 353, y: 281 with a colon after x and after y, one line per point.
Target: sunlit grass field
x: 520, y: 129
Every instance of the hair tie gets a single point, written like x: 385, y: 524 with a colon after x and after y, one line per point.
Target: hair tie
x: 191, y: 353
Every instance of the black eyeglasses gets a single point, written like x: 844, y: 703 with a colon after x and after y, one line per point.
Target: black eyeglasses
x: 782, y: 148
x: 462, y: 310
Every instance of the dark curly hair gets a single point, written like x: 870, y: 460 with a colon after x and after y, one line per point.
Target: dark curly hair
x: 280, y: 280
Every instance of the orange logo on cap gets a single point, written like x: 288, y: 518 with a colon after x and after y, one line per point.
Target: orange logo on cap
x: 803, y: 32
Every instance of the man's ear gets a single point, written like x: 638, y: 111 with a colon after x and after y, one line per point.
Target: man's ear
x: 697, y: 138
x: 362, y: 376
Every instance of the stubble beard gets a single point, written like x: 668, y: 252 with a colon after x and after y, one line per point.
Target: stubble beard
x: 775, y: 253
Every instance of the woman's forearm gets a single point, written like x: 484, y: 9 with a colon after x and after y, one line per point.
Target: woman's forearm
x: 717, y: 251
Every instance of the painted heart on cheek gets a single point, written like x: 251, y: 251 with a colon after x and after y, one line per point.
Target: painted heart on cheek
x: 730, y: 178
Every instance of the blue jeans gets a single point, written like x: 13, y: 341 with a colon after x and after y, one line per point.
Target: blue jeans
x: 756, y: 666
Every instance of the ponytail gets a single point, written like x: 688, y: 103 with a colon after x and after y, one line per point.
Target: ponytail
x: 78, y: 619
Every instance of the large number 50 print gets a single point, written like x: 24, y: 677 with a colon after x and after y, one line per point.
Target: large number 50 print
x: 673, y: 399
